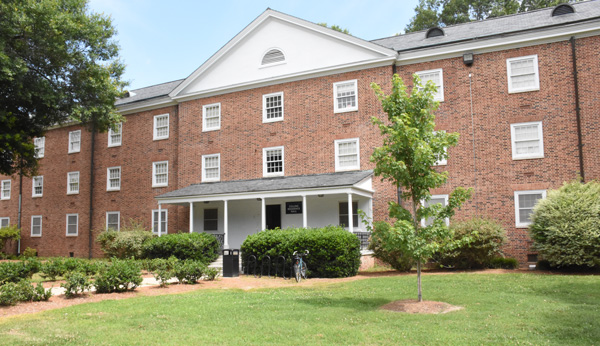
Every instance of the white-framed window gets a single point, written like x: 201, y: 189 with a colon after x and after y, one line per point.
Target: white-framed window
x: 113, y: 220
x: 273, y: 56
x: 72, y: 183
x: 436, y: 77
x: 37, y: 186
x: 115, y: 137
x: 113, y: 179
x: 527, y: 140
x: 161, y: 127
x: 4, y: 222
x: 273, y: 164
x: 160, y: 174
x: 72, y: 225
x: 40, y: 144
x: 524, y: 203
x: 435, y: 199
x: 343, y: 214
x: 163, y: 221
x: 5, y: 189
x: 273, y: 107
x: 523, y: 74
x: 211, y: 167
x: 347, y: 154
x: 211, y: 117
x: 345, y: 96
x: 74, y: 141
x: 36, y: 226
x: 211, y: 219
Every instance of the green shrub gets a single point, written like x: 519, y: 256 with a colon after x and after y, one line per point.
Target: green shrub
x: 76, y: 282
x: 9, y: 294
x: 486, y: 240
x: 197, y: 246
x: 53, y: 268
x: 211, y: 274
x: 566, y: 225
x: 334, y: 252
x: 503, y: 263
x: 398, y: 261
x: 88, y: 267
x: 17, y: 271
x: 118, y: 276
x: 189, y: 271
x: 22, y: 291
x: 29, y: 252
x: 127, y: 243
x: 9, y: 233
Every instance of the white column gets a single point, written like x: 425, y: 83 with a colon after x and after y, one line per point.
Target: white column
x: 350, y: 221
x: 191, y: 217
x: 159, y: 220
x: 263, y: 220
x: 225, y: 225
x: 304, y: 212
x: 371, y: 211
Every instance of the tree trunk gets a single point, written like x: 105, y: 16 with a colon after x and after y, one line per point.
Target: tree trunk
x: 416, y: 225
x: 419, y: 280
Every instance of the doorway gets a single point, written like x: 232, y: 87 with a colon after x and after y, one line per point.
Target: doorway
x: 273, y: 217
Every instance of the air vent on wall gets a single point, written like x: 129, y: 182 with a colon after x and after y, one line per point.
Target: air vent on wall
x: 562, y: 9
x: 434, y: 32
x: 273, y: 56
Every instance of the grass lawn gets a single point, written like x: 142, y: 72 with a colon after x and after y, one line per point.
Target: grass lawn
x: 499, y: 309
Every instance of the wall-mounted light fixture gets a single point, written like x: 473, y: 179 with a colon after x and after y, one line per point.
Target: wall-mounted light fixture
x: 468, y: 59
x: 320, y: 195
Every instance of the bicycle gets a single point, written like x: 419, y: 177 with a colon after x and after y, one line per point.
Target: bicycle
x: 299, y: 265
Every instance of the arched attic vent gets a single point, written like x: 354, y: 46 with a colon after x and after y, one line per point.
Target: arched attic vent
x: 562, y: 9
x: 273, y: 56
x: 434, y: 32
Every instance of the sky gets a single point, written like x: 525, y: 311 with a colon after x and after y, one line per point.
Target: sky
x: 162, y: 40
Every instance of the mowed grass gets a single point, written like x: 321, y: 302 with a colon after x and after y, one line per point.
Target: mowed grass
x: 524, y: 309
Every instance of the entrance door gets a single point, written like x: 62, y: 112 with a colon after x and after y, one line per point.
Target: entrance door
x: 273, y: 216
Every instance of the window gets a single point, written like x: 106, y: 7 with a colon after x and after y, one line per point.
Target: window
x: 39, y: 144
x: 72, y: 225
x: 115, y: 136
x: 5, y: 193
x: 160, y: 173
x: 113, y: 220
x: 161, y: 127
x: 273, y: 161
x: 4, y: 222
x: 163, y: 221
x: 211, y: 219
x: 345, y: 96
x: 435, y: 199
x: 437, y: 78
x: 211, y: 167
x: 347, y: 155
x: 113, y: 179
x: 527, y: 140
x: 72, y: 183
x: 37, y: 188
x: 74, y: 141
x: 523, y: 74
x: 273, y: 56
x: 524, y: 203
x: 272, y: 107
x: 344, y: 214
x: 36, y: 226
x: 211, y: 117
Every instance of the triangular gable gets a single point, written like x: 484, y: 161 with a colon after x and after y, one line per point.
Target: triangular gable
x: 309, y: 49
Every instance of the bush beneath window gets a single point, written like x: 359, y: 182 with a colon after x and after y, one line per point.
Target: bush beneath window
x: 29, y: 252
x: 201, y: 247
x: 12, y: 232
x: 397, y: 260
x: 118, y: 276
x: 127, y: 243
x: 566, y: 226
x: 334, y: 252
x: 17, y: 271
x: 504, y: 263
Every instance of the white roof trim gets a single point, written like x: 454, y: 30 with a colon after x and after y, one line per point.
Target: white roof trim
x: 144, y: 105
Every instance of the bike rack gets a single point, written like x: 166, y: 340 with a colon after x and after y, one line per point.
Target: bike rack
x: 262, y: 264
x: 280, y: 259
x: 251, y: 260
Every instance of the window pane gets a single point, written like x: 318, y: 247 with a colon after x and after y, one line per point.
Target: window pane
x: 346, y: 96
x: 521, y: 67
x: 162, y: 126
x: 212, y: 114
x: 273, y: 107
x: 528, y: 200
x: 274, y: 161
x: 525, y: 215
x: 523, y: 81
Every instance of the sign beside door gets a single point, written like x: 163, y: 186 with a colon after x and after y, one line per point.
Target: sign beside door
x: 293, y: 207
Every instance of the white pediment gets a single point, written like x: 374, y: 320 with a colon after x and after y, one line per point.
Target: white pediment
x: 308, y: 49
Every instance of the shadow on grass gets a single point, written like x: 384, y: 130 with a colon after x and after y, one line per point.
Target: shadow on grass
x: 351, y: 303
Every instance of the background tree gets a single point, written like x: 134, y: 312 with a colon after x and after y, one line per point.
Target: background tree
x: 58, y: 63
x: 411, y: 147
x: 335, y: 27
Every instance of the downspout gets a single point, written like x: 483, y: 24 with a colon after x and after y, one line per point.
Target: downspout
x: 91, y: 238
x: 577, y: 109
x: 20, y: 207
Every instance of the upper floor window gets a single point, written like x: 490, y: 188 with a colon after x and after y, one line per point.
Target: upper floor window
x: 435, y: 199
x: 4, y: 222
x: 113, y: 220
x: 527, y: 140
x: 36, y: 226
x: 74, y: 141
x: 524, y: 203
x: 39, y: 143
x: 37, y: 189
x: 211, y: 117
x: 161, y: 126
x: 523, y: 74
x: 211, y: 167
x: 113, y: 179
x: 163, y: 221
x: 115, y: 136
x: 437, y: 78
x: 273, y: 56
x: 5, y: 189
x: 273, y: 107
x: 211, y: 219
x: 72, y: 225
x: 72, y: 183
x: 160, y: 173
x: 347, y: 155
x: 273, y: 161
x: 345, y: 96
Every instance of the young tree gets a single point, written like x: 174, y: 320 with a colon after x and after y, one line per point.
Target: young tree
x: 411, y: 148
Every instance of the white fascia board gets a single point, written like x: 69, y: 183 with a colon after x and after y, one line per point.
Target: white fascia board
x: 155, y: 103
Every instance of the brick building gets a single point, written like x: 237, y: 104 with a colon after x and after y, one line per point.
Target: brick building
x: 274, y: 130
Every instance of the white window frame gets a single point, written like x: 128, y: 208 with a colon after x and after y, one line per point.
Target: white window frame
x: 108, y: 187
x: 439, y: 95
x: 265, y: 120
x: 31, y: 231
x: 204, y: 157
x: 40, y: 146
x: 518, y: 222
x: 513, y: 90
x: 112, y: 143
x: 118, y: 219
x: 445, y: 197
x: 276, y: 174
x: 71, y: 150
x: 335, y: 97
x: 166, y: 221
x: 156, y: 137
x: 516, y: 156
x: 76, y: 226
x: 205, y: 127
x: 338, y: 168
x: 33, y: 180
x: 154, y: 183
x: 69, y: 191
x: 3, y: 194
x: 2, y: 219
